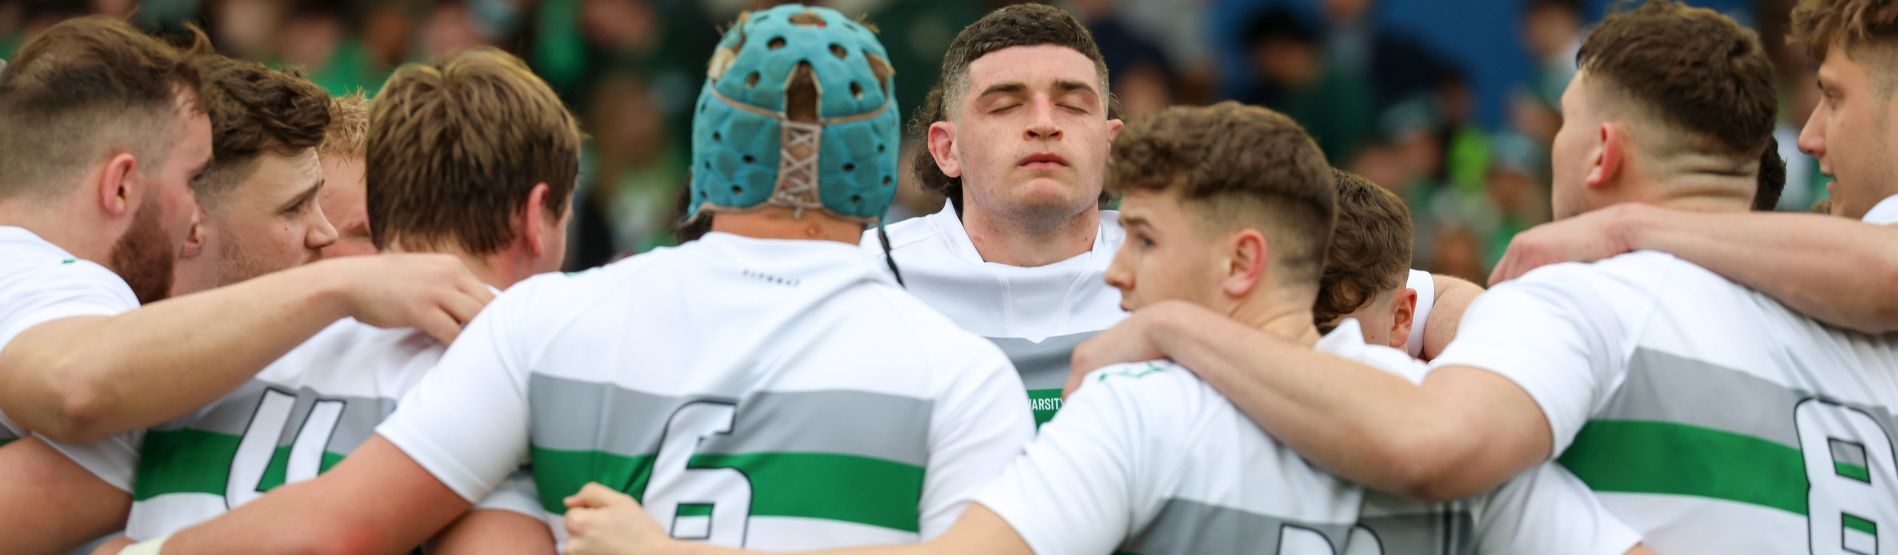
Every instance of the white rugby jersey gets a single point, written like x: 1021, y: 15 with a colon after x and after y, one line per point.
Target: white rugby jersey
x: 1149, y: 459
x: 774, y: 394
x: 300, y: 416
x: 1883, y: 213
x: 1036, y: 315
x: 40, y: 283
x: 1709, y: 417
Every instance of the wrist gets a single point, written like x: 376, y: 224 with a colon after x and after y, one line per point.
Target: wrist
x: 1630, y: 224
x: 326, y: 289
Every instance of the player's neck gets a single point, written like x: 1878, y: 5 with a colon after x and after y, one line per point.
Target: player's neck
x: 54, y: 222
x: 499, y: 270
x: 1281, y: 314
x: 1014, y: 242
x: 777, y: 222
x: 1696, y: 193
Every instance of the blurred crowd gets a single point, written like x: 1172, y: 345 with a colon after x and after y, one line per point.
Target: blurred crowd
x: 1392, y: 106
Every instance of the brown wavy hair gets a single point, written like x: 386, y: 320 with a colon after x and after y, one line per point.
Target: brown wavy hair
x: 454, y: 150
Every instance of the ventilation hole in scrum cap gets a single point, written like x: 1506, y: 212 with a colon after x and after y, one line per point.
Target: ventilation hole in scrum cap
x: 752, y: 80
x: 886, y: 181
x: 850, y: 167
x: 776, y: 43
x: 737, y: 190
x: 856, y: 199
x: 879, y: 148
x: 838, y: 51
x: 716, y: 137
x: 749, y: 159
x: 856, y: 90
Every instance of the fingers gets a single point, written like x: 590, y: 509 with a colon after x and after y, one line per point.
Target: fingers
x: 461, y: 306
x: 439, y: 325
x: 592, y: 496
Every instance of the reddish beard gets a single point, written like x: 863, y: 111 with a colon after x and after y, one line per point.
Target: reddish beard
x: 145, y: 255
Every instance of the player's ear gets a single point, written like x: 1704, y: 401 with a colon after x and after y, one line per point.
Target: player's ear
x: 533, y: 220
x: 1248, y: 260
x: 194, y: 241
x: 942, y: 147
x: 1403, y: 313
x: 117, y: 185
x: 1606, y: 158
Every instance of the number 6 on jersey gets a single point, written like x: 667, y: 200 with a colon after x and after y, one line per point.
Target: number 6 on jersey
x: 710, y: 504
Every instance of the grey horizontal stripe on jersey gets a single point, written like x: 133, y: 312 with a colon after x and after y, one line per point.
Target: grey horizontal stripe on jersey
x: 1191, y: 527
x: 1848, y: 453
x: 1665, y: 387
x: 232, y: 415
x: 569, y: 415
x: 1042, y: 365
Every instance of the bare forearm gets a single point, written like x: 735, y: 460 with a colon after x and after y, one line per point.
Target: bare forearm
x: 48, y: 504
x: 1836, y: 270
x: 1359, y: 422
x: 291, y: 519
x: 494, y: 531
x: 81, y: 379
x: 1454, y: 296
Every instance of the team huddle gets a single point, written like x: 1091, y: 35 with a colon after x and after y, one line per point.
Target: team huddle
x: 238, y: 315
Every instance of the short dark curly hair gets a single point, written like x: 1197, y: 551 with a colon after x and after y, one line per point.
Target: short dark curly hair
x: 1370, y: 248
x: 256, y: 110
x: 1008, y: 27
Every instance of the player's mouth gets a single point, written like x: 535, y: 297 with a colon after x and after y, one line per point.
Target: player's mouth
x: 1043, y: 161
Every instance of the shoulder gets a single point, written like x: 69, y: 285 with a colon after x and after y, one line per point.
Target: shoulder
x: 1150, y: 381
x: 904, y: 234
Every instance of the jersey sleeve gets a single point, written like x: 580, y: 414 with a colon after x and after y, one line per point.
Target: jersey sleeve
x: 977, y: 425
x: 1547, y: 510
x: 1092, y: 474
x: 1560, y: 333
x: 516, y: 495
x: 58, y: 292
x: 466, y: 421
x: 113, y: 460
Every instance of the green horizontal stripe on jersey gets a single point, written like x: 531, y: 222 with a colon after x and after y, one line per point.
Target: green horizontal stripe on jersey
x: 1853, y: 471
x: 183, y: 461
x: 1677, y: 459
x: 695, y: 509
x: 280, y: 466
x: 843, y: 488
x: 197, y: 461
x: 1862, y: 525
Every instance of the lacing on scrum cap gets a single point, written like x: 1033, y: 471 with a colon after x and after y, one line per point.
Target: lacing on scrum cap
x: 798, y: 183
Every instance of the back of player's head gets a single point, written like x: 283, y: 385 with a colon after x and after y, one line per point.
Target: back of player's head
x: 1008, y: 27
x: 1236, y: 167
x: 1697, y: 85
x: 1867, y: 29
x: 348, y: 133
x: 85, y: 87
x: 455, y: 150
x: 1370, y: 248
x: 797, y: 111
x: 255, y: 110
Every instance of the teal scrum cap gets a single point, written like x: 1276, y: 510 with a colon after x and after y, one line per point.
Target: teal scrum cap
x: 746, y: 150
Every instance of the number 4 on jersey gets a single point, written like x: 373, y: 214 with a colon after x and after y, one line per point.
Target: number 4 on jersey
x: 1849, y: 462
